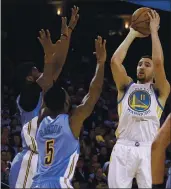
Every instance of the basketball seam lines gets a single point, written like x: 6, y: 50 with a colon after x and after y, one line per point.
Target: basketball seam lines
x: 139, y: 15
x: 140, y: 22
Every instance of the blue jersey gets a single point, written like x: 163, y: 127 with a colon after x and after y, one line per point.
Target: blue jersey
x: 29, y: 125
x: 58, y: 150
x: 28, y: 116
x: 24, y: 165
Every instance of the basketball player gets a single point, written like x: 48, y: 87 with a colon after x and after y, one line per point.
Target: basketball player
x: 29, y: 102
x: 58, y: 134
x: 159, y: 146
x: 140, y: 106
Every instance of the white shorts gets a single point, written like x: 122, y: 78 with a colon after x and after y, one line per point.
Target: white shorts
x: 130, y: 160
x: 23, y: 169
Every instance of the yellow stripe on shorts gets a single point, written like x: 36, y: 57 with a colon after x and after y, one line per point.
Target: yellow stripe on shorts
x: 27, y: 170
x: 32, y: 139
x: 71, y: 168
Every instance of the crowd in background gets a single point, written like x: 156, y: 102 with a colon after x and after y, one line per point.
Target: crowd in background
x: 97, y: 137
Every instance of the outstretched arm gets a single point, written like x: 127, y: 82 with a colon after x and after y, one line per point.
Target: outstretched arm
x: 161, y: 82
x: 66, y: 33
x: 85, y: 109
x: 118, y: 71
x: 55, y: 54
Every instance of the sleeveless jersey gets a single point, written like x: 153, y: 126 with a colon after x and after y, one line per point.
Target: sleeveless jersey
x: 28, y: 135
x: 139, y: 113
x: 58, y: 149
x: 29, y: 125
x: 27, y: 116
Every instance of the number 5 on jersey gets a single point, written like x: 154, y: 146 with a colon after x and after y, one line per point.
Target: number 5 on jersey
x: 49, y: 146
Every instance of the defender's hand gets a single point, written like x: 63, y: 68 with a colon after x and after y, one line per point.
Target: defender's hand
x: 100, y: 47
x: 74, y: 18
x: 46, y: 42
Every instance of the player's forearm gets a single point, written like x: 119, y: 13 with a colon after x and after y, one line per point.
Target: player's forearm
x: 97, y: 81
x: 45, y: 81
x: 121, y: 52
x: 60, y: 58
x: 157, y: 51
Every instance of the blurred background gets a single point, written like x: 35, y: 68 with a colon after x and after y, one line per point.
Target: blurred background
x: 20, y: 22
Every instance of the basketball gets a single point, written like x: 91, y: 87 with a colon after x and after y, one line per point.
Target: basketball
x: 140, y: 21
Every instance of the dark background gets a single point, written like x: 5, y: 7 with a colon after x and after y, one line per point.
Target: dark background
x: 21, y: 21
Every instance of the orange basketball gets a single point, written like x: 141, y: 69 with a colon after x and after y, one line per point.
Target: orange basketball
x: 141, y: 21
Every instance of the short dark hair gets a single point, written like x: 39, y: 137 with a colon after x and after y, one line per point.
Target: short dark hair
x: 147, y: 56
x: 22, y: 71
x: 54, y: 98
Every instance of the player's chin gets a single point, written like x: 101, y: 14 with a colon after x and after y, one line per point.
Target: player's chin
x: 141, y: 78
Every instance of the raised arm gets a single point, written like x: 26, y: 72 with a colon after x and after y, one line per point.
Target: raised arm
x: 161, y: 82
x: 55, y: 54
x: 66, y: 32
x: 85, y: 109
x: 118, y: 71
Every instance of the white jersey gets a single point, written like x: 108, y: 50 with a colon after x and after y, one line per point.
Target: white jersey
x: 139, y: 113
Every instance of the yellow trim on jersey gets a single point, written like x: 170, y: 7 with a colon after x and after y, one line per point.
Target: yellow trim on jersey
x: 120, y: 109
x: 159, y: 111
x: 110, y: 158
x: 32, y: 139
x: 119, y: 113
x: 29, y: 127
x: 117, y: 133
x: 71, y: 168
x: 27, y: 170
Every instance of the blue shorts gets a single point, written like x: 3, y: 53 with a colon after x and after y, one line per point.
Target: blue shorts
x: 54, y: 183
x: 22, y: 170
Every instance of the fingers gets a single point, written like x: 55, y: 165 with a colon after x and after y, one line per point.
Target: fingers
x: 48, y: 33
x: 157, y: 15
x: 150, y: 16
x: 153, y: 15
x: 104, y: 44
x: 77, y: 17
x: 100, y: 40
x: 44, y: 34
x: 64, y: 22
x: 74, y: 17
x: 75, y: 10
x: 44, y: 38
x: 99, y: 43
x: 59, y: 41
x: 39, y: 39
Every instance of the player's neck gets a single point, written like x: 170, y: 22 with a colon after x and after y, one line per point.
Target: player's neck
x: 53, y: 115
x: 144, y: 82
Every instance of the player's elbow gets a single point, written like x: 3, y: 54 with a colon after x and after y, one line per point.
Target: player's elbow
x: 114, y: 61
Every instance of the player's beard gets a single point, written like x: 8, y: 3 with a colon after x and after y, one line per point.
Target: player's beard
x: 141, y: 79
